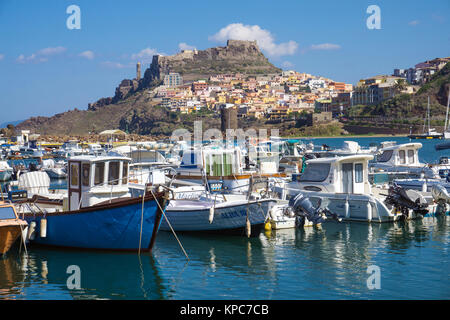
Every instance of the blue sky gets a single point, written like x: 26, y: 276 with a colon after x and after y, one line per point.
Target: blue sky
x: 45, y: 68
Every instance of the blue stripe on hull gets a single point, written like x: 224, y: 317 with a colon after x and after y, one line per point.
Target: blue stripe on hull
x: 224, y: 218
x: 112, y: 228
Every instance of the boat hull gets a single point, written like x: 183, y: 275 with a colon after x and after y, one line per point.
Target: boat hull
x: 116, y: 226
x: 227, y: 220
x: 8, y: 235
x: 413, y: 136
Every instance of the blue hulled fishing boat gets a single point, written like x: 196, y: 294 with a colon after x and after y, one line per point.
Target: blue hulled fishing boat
x: 97, y: 212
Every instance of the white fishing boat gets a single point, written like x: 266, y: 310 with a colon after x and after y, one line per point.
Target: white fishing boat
x: 340, y: 186
x: 210, y: 165
x: 194, y: 209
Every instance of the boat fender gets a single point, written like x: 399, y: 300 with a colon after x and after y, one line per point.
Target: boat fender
x: 43, y: 228
x: 268, y: 225
x: 248, y: 227
x: 31, y: 231
x: 211, y: 215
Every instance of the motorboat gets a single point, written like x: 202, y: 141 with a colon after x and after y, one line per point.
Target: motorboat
x: 6, y: 171
x: 339, y: 186
x: 396, y: 158
x: 55, y: 169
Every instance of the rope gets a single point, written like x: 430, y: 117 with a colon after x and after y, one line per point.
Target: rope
x: 142, y: 218
x: 167, y: 220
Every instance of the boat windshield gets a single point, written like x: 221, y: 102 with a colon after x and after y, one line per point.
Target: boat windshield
x: 7, y: 213
x: 385, y: 156
x: 315, y: 172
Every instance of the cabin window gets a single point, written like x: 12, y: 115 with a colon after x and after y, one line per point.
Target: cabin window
x: 125, y: 173
x: 358, y: 173
x: 99, y: 173
x: 315, y: 172
x: 411, y: 156
x: 385, y: 156
x: 227, y: 165
x: 86, y: 170
x: 114, y: 173
x: 74, y: 174
x: 217, y: 165
x: 402, y: 156
x: 7, y: 213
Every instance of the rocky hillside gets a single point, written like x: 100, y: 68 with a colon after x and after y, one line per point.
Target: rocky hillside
x: 133, y: 110
x: 415, y: 105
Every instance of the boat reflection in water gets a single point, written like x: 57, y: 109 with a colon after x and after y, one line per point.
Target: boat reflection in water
x: 331, y: 261
x: 44, y: 274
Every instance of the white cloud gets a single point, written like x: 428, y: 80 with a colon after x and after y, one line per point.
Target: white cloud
x: 115, y: 65
x: 145, y: 55
x: 414, y: 23
x: 87, y: 54
x: 185, y: 46
x: 264, y: 39
x: 325, y: 46
x: 41, y: 55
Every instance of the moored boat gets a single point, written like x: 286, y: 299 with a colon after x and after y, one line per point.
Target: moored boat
x: 98, y: 212
x: 11, y: 227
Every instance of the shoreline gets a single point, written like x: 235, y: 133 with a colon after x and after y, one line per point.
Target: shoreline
x: 351, y: 136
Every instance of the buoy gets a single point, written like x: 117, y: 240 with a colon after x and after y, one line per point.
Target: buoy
x: 211, y: 215
x: 268, y: 226
x: 347, y: 209
x: 43, y: 228
x: 31, y: 231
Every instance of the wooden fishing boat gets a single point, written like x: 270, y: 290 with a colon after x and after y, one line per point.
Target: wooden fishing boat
x: 98, y: 211
x: 11, y: 227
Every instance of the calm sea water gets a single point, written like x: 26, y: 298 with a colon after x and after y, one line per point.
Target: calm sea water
x: 326, y: 263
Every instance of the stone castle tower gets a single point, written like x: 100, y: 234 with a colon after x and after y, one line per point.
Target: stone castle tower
x: 138, y: 71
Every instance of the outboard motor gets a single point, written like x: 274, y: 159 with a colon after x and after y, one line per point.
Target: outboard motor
x: 303, y: 208
x: 404, y: 200
x: 441, y: 197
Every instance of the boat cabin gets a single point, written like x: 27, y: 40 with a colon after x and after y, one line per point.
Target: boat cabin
x: 406, y: 154
x: 215, y: 161
x: 92, y: 180
x: 348, y: 174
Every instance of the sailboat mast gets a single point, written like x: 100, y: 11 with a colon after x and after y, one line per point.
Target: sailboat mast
x: 428, y: 111
x: 446, y: 115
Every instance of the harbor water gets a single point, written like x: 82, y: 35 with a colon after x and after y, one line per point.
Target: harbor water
x: 335, y: 261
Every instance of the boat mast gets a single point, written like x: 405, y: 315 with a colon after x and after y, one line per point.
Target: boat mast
x: 446, y: 115
x: 428, y: 113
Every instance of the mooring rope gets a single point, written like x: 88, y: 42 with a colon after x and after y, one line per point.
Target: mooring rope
x: 170, y: 226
